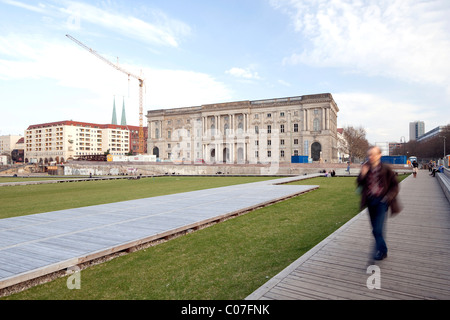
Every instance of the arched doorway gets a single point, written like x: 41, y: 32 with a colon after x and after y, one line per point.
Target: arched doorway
x: 226, y: 155
x: 213, y: 155
x: 316, y: 148
x: 240, y: 155
x: 156, y: 152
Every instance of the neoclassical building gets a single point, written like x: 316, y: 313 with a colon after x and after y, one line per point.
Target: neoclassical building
x: 259, y: 131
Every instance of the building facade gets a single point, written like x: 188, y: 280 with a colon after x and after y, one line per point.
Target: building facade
x: 64, y: 140
x: 252, y: 132
x: 416, y: 129
x: 9, y: 143
x: 396, y: 148
x: 430, y: 134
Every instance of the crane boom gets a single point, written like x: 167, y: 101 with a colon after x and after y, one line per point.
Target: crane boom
x: 141, y: 88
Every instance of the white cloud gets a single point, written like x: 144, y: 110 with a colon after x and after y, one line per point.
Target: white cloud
x: 383, y: 119
x: 28, y: 57
x: 19, y: 4
x: 161, y: 31
x: 246, y: 73
x: 183, y: 88
x: 157, y: 28
x: 284, y: 83
x: 402, y: 39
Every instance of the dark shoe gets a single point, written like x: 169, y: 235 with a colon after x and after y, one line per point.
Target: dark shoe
x: 380, y: 255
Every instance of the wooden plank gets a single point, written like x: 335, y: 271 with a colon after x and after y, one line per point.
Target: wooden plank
x: 416, y: 268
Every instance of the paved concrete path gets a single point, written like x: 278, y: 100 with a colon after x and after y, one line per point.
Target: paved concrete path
x: 417, y: 266
x: 39, y: 244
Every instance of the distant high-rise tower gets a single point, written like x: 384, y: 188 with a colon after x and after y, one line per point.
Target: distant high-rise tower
x: 114, y: 118
x: 416, y: 129
x: 124, y: 119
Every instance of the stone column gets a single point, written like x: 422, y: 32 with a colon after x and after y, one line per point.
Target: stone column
x: 245, y: 152
x: 328, y: 118
x: 305, y: 125
x: 323, y: 119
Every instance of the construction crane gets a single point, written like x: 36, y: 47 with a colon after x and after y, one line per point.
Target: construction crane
x: 141, y: 88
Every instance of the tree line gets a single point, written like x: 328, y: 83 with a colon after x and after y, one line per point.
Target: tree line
x: 432, y: 148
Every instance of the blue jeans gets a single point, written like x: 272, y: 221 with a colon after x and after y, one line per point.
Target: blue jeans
x: 377, y: 212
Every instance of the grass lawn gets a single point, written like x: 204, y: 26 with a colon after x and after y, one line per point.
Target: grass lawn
x: 23, y: 200
x: 226, y: 261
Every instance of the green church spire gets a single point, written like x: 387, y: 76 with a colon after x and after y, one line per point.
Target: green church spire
x: 114, y: 118
x: 124, y: 119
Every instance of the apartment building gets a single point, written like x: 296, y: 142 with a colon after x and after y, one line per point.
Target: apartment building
x: 416, y: 129
x: 64, y: 140
x: 9, y: 143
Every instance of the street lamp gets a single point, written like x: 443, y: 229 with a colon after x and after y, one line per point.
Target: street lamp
x: 402, y: 140
x: 444, y: 143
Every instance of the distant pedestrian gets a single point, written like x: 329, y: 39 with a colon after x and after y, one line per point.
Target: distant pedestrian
x: 379, y: 191
x: 415, y: 166
x: 439, y: 169
x: 348, y: 167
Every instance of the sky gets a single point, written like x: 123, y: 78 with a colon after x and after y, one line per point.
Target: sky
x: 386, y: 62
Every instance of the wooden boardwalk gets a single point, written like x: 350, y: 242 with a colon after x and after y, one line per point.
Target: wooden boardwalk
x: 417, y: 266
x: 40, y: 244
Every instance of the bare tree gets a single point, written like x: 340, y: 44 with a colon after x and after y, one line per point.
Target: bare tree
x: 431, y: 148
x: 357, y: 143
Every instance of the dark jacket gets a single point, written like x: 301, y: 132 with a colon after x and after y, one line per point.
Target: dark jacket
x: 390, y: 188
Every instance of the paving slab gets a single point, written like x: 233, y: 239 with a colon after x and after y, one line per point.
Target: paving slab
x: 39, y: 244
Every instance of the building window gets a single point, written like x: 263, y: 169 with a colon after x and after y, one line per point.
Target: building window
x: 295, y: 127
x: 269, y: 115
x: 282, y: 142
x: 282, y: 128
x: 269, y: 154
x: 295, y: 141
x: 256, y: 129
x: 295, y: 152
x: 316, y: 125
x: 269, y: 142
x: 281, y: 114
x: 282, y: 153
x: 240, y: 127
x: 269, y: 129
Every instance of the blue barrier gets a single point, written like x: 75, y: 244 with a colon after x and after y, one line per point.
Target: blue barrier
x: 299, y: 159
x: 394, y: 159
